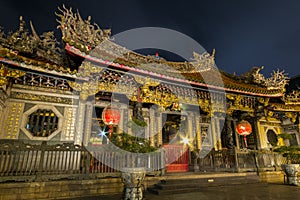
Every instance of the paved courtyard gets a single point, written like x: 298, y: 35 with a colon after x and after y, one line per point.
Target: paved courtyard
x: 231, y: 192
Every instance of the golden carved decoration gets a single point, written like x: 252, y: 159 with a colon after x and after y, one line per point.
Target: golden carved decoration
x: 211, y: 107
x: 86, y: 89
x: 77, y: 30
x: 11, y: 124
x: 9, y: 73
x: 88, y: 70
x: 239, y: 102
x: 292, y: 116
x: 264, y: 101
x: 146, y: 81
x: 292, y: 99
x: 159, y: 96
x: 44, y: 98
x: 278, y: 79
x: 203, y: 62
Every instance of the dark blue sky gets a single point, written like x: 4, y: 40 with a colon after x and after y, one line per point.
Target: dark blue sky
x: 244, y: 33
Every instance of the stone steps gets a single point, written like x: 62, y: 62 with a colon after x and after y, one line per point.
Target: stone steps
x: 190, y: 183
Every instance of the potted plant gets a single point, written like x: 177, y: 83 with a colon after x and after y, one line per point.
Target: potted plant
x: 292, y: 166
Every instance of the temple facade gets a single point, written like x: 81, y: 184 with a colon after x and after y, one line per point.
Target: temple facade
x: 59, y: 93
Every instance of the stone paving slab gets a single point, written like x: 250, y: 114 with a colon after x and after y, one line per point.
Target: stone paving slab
x: 256, y: 191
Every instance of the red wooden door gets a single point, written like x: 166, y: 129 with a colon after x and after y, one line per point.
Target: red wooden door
x: 177, y: 158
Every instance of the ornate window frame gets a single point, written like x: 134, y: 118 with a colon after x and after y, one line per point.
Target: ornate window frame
x: 32, y: 110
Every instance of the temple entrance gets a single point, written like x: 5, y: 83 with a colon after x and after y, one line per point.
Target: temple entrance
x: 174, y: 129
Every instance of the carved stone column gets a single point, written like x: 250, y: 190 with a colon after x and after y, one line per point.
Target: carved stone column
x: 88, y: 123
x: 218, y: 133
x: 133, y: 179
x: 237, y: 139
x: 190, y: 118
x: 214, y: 134
x: 198, y: 129
x: 159, y: 129
x: 152, y: 126
x: 80, y: 122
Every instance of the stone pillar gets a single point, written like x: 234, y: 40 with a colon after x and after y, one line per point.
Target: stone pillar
x: 218, y: 133
x: 190, y: 117
x: 121, y: 123
x: 255, y: 129
x: 214, y: 133
x: 198, y: 129
x: 262, y: 136
x: 152, y: 122
x: 159, y: 129
x: 237, y: 139
x: 130, y: 114
x: 80, y: 122
x: 88, y: 123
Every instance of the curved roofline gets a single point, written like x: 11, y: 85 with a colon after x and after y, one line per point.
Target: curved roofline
x: 77, y: 52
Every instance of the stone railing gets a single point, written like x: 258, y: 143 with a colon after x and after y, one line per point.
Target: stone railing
x: 233, y: 160
x: 41, y: 162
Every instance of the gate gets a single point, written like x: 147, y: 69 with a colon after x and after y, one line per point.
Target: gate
x: 177, y: 158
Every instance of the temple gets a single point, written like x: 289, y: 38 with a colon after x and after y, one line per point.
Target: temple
x: 89, y: 89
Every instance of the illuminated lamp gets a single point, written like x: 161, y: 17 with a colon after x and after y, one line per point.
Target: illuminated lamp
x: 111, y: 116
x: 244, y: 128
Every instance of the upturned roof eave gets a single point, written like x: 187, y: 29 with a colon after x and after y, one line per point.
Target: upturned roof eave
x: 100, y: 61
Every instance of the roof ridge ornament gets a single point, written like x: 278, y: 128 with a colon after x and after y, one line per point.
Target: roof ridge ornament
x: 24, y: 42
x: 76, y: 30
x: 203, y: 62
x: 278, y: 79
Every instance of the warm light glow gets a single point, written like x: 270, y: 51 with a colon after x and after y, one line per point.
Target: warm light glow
x: 185, y: 140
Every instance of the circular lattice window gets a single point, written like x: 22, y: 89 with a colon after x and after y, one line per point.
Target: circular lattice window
x: 272, y: 137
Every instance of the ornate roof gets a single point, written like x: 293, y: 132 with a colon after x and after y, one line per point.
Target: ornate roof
x: 28, y: 51
x: 92, y: 43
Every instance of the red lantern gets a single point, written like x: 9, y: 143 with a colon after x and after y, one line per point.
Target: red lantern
x: 111, y: 116
x: 244, y: 128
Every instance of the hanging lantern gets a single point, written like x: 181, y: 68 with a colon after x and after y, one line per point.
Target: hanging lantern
x: 244, y: 128
x: 111, y: 116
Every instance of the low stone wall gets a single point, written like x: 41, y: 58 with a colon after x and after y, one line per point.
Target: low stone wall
x: 65, y: 189
x: 60, y: 189
x: 272, y: 177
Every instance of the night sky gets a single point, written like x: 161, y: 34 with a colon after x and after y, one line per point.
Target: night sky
x: 244, y: 33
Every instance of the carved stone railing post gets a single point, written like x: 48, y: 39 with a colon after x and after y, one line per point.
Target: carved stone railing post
x: 291, y: 171
x: 132, y: 179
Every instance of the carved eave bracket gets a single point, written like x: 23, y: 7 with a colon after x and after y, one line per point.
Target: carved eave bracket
x: 6, y: 73
x: 151, y: 91
x: 86, y: 88
x: 292, y: 116
x: 240, y: 102
x: 292, y: 99
x: 212, y: 104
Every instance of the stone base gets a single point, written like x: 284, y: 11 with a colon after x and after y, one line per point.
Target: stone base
x: 133, y: 179
x: 291, y: 171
